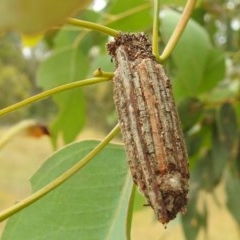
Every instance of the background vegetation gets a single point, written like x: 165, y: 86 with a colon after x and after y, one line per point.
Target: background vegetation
x: 205, y: 73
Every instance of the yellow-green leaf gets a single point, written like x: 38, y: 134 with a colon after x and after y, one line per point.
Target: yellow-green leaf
x: 31, y: 16
x: 92, y: 205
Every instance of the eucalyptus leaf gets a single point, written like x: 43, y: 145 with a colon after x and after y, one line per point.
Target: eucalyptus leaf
x: 220, y: 155
x: 36, y: 16
x: 194, y: 143
x: 206, y: 174
x: 92, y: 204
x: 190, y: 110
x: 224, y: 140
x: 71, y: 65
x: 191, y: 222
x: 134, y: 15
x: 232, y: 188
x: 174, y: 2
x: 200, y: 66
x: 214, y: 70
x: 227, y: 125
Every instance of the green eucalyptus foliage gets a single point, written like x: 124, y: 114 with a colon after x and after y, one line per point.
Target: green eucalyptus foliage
x: 95, y: 201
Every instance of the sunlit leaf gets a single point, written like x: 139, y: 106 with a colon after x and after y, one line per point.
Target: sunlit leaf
x: 31, y: 16
x: 70, y: 35
x: 92, y: 204
x: 174, y: 2
x: 134, y: 15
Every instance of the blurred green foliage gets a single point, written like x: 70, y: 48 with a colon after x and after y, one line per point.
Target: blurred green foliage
x: 108, y: 214
x: 17, y: 80
x: 205, y: 72
x: 15, y: 83
x: 33, y: 17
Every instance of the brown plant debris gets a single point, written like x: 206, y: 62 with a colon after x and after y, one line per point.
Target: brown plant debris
x: 150, y: 126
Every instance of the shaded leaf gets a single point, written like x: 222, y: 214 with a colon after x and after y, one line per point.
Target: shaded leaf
x: 237, y: 161
x: 194, y: 57
x: 64, y: 66
x: 214, y: 70
x: 220, y: 155
x: 193, y: 220
x: 194, y: 143
x: 35, y: 16
x: 198, y: 15
x: 227, y: 125
x: 232, y: 189
x: 190, y: 110
x: 204, y: 174
x: 209, y: 168
x: 224, y: 138
x: 92, y: 204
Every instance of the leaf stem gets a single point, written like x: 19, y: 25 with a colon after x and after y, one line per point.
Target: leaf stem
x: 92, y: 26
x: 178, y: 30
x: 155, y: 38
x: 50, y: 92
x: 59, y: 180
x: 130, y: 212
x: 100, y: 73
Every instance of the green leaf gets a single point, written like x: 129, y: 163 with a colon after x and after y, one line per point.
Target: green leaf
x: 200, y: 66
x: 92, y: 204
x: 65, y: 38
x: 36, y: 16
x: 102, y: 61
x: 190, y: 110
x: 227, y: 125
x: 194, y: 220
x: 224, y: 139
x: 205, y: 174
x: 219, y: 156
x: 237, y: 160
x: 174, y: 2
x: 232, y: 189
x: 198, y: 140
x: 209, y: 169
x: 214, y: 70
x: 139, y: 201
x: 128, y: 15
x: 64, y: 66
x: 69, y: 35
x: 194, y: 143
